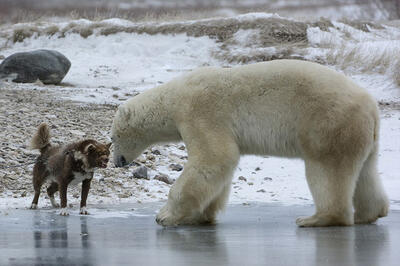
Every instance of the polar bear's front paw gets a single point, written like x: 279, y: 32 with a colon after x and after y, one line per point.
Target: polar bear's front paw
x: 166, y: 218
x: 323, y: 220
x: 64, y: 212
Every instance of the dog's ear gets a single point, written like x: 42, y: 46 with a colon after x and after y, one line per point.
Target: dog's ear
x: 89, y: 148
x: 108, y: 145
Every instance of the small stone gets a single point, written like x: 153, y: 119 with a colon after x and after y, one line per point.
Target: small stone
x: 141, y: 159
x: 163, y: 178
x: 250, y: 183
x: 149, y: 164
x: 176, y: 167
x: 261, y: 190
x: 140, y: 173
x: 267, y: 178
x: 242, y: 178
x: 77, y: 132
x: 124, y: 195
x: 156, y: 152
x: 257, y: 169
x: 151, y: 157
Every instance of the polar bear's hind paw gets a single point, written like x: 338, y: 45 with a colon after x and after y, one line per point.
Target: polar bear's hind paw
x: 323, y: 220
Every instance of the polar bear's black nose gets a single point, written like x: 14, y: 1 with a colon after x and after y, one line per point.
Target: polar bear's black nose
x: 121, y: 161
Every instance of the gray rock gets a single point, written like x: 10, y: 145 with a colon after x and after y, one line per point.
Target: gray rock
x: 140, y: 173
x: 164, y: 178
x: 242, y: 178
x: 49, y: 66
x: 182, y: 147
x: 156, y: 152
x: 176, y: 167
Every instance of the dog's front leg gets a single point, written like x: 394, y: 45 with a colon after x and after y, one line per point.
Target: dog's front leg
x: 84, y: 195
x: 63, y: 198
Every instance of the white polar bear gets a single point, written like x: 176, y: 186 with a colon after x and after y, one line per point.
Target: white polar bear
x: 286, y: 108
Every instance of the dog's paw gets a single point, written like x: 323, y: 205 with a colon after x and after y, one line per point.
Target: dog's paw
x: 33, y: 206
x: 64, y: 212
x: 84, y: 211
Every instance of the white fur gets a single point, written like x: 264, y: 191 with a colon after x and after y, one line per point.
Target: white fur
x: 64, y: 212
x: 80, y: 156
x: 79, y: 177
x: 54, y: 203
x: 283, y: 108
x: 84, y: 211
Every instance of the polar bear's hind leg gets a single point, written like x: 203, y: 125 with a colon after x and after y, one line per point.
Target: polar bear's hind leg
x: 370, y: 200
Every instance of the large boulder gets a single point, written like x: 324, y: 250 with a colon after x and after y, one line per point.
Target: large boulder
x: 48, y: 66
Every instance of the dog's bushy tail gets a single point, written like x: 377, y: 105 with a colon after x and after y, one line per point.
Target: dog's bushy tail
x: 41, y: 140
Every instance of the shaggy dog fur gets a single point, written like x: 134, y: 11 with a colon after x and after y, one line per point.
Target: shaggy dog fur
x: 65, y: 165
x: 285, y: 108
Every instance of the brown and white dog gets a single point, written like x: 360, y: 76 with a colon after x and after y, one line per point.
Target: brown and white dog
x: 64, y: 165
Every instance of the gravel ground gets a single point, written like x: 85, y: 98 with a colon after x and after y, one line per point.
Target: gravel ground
x: 23, y: 110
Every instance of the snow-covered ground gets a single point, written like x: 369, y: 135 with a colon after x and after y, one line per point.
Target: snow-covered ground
x: 110, y: 68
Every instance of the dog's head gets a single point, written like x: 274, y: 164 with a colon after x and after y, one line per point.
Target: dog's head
x: 93, y: 153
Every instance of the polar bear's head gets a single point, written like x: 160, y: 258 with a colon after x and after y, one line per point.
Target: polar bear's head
x: 127, y: 139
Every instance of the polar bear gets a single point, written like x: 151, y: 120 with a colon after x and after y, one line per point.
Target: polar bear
x: 287, y: 108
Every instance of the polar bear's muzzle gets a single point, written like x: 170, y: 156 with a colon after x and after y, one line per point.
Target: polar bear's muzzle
x: 120, y: 161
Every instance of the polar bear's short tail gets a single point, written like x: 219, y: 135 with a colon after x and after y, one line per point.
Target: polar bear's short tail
x: 41, y: 140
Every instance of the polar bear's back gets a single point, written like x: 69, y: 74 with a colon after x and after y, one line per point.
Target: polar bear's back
x: 270, y: 106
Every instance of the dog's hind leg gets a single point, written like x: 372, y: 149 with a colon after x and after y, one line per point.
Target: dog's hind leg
x: 36, y: 186
x: 53, y: 188
x: 63, y: 198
